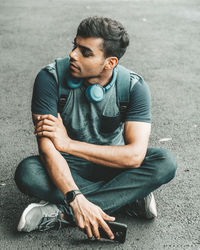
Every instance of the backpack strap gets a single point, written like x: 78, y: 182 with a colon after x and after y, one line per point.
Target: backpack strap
x: 62, y: 65
x: 123, y: 90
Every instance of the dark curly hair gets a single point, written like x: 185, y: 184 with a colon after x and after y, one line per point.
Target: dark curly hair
x: 116, y: 38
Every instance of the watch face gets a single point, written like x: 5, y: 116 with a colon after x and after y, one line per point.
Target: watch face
x: 70, y: 196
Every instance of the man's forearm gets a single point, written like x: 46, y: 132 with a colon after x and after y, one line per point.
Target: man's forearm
x: 56, y: 166
x: 124, y: 156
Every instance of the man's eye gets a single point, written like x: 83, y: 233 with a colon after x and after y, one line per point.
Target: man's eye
x: 86, y: 53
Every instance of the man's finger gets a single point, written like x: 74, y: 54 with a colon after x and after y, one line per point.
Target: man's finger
x: 59, y: 117
x: 80, y: 223
x: 107, y: 229
x: 49, y: 117
x: 107, y: 217
x: 44, y: 122
x: 88, y: 231
x: 44, y: 128
x: 95, y: 230
x: 45, y: 134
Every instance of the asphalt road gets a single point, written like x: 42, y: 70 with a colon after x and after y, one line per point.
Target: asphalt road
x: 165, y: 50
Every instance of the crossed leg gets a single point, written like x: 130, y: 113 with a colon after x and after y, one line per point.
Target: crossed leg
x: 109, y: 188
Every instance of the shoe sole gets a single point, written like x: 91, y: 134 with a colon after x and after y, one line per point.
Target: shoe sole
x: 22, y: 220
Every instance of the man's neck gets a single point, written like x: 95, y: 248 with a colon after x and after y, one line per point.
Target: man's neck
x: 103, y: 79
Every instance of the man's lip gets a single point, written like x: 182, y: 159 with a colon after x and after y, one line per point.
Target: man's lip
x: 74, y: 66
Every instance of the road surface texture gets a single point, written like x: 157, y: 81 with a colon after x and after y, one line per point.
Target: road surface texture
x: 165, y: 50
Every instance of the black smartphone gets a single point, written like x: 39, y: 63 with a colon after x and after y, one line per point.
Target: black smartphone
x: 118, y: 229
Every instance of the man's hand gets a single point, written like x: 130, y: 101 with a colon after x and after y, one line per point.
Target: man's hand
x: 90, y: 217
x: 53, y: 128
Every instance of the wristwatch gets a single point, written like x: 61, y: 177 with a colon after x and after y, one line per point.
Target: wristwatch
x: 70, y: 196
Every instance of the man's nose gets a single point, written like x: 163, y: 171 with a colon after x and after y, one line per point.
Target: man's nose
x: 73, y: 55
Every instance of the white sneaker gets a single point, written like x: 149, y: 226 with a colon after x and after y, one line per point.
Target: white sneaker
x: 145, y: 207
x: 40, y: 216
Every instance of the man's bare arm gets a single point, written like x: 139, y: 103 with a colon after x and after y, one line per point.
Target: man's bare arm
x: 55, y: 163
x: 130, y: 155
x: 88, y: 216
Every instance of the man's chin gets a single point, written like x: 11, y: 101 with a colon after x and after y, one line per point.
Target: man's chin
x: 74, y: 74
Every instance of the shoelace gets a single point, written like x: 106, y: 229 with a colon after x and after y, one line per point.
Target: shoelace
x: 50, y: 222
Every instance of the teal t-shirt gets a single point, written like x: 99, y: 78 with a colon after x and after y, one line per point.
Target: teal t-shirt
x: 96, y: 123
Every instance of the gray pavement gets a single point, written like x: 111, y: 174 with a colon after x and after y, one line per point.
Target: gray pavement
x: 164, y: 49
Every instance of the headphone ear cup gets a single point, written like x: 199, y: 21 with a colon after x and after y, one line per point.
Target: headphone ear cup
x: 95, y: 93
x: 74, y: 83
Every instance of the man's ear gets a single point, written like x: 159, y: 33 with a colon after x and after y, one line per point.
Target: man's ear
x: 111, y: 62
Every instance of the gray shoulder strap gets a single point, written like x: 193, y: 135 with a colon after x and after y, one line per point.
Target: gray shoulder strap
x: 123, y: 84
x: 62, y: 65
x: 123, y: 90
x: 126, y: 80
x: 59, y: 70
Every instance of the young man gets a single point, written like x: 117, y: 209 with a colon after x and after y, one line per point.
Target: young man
x: 91, y: 163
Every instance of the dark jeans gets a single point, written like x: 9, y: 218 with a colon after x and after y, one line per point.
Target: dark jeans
x: 109, y: 188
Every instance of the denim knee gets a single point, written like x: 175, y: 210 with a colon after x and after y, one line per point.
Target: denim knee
x: 24, y: 174
x: 165, y: 167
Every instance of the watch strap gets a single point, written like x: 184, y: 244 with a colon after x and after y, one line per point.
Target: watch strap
x: 77, y: 192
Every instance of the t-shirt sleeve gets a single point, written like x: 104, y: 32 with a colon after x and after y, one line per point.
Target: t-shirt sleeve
x: 139, y: 108
x: 45, y: 94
